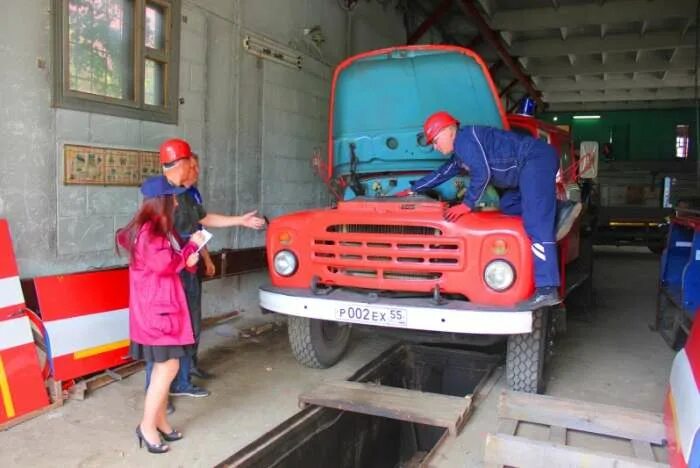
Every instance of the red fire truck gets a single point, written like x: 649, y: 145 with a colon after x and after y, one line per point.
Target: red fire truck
x: 393, y: 263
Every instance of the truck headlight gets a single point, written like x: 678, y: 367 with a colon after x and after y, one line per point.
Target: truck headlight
x: 285, y: 263
x: 499, y: 275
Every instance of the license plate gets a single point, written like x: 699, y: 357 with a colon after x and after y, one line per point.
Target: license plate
x: 372, y: 315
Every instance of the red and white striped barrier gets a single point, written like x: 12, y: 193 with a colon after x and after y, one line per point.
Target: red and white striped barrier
x: 86, y: 317
x: 682, y: 409
x: 22, y: 387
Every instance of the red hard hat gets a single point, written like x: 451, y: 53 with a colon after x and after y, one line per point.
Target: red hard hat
x: 173, y: 150
x: 436, y: 123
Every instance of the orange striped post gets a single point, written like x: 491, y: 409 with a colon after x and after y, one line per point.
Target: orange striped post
x: 22, y: 388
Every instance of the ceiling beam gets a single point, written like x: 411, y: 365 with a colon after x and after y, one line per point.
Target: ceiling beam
x: 470, y: 11
x: 476, y: 41
x: 619, y: 105
x: 508, y: 87
x: 487, y: 6
x: 649, y: 65
x: 559, y: 84
x: 563, y: 31
x: 595, y: 44
x: 507, y: 37
x: 674, y: 54
x: 430, y: 21
x: 688, y: 24
x: 495, y: 66
x: 623, y: 11
x: 621, y: 95
x: 446, y: 36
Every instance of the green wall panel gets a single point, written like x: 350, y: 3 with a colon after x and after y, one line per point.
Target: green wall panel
x: 636, y: 135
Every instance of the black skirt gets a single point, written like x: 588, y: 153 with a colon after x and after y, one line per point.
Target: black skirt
x: 159, y: 353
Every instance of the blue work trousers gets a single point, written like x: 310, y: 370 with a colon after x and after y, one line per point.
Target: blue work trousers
x: 535, y: 200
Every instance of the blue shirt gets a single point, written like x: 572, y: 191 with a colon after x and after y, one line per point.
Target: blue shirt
x: 489, y: 154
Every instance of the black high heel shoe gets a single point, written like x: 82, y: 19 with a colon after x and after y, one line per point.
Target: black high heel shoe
x: 152, y: 448
x: 172, y: 436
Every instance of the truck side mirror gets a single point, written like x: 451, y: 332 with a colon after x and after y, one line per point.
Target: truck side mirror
x: 588, y: 161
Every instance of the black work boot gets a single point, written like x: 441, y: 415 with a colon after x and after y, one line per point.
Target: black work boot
x: 545, y: 296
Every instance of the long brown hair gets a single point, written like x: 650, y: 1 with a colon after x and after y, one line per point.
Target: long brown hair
x: 158, y: 211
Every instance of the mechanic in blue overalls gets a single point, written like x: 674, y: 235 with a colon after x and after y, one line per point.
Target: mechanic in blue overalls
x: 525, y: 168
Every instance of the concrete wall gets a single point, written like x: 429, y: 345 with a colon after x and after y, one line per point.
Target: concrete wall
x: 254, y: 123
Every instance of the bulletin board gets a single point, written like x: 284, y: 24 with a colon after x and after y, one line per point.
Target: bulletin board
x: 92, y: 165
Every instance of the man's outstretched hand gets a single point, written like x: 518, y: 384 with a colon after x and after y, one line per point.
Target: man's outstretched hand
x: 454, y: 213
x: 251, y: 221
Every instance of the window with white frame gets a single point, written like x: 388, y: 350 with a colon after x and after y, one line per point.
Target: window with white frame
x: 117, y: 57
x: 682, y: 140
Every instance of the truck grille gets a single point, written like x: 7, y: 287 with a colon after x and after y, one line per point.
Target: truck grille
x: 387, y: 253
x: 384, y: 229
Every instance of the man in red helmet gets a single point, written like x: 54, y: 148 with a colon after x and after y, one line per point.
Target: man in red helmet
x: 175, y: 157
x: 524, y: 168
x: 180, y: 167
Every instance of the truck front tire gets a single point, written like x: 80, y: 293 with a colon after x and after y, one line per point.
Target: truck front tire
x: 317, y: 343
x: 526, y: 354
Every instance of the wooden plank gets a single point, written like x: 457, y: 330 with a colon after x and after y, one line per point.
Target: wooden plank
x: 507, y: 426
x: 643, y: 450
x: 503, y: 449
x: 486, y: 384
x: 416, y: 461
x: 104, y: 378
x: 615, y: 421
x: 557, y: 435
x: 390, y: 402
x: 211, y: 322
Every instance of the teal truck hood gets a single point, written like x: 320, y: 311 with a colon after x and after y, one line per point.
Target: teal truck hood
x: 380, y: 100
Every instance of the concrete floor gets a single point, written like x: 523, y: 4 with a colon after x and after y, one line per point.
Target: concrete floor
x: 615, y: 359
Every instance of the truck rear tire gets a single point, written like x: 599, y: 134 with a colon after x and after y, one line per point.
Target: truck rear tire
x: 317, y: 343
x: 526, y: 355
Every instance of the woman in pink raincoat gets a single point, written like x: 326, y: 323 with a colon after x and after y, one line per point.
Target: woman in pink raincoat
x: 159, y: 323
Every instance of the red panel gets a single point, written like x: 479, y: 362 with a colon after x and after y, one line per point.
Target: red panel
x: 8, y: 265
x: 10, y: 311
x: 692, y: 349
x: 24, y: 377
x: 66, y: 367
x: 73, y: 295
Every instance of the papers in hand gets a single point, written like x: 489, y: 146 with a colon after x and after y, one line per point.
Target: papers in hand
x: 207, y: 237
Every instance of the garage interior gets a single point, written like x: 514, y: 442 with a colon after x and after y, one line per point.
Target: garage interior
x: 248, y: 84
